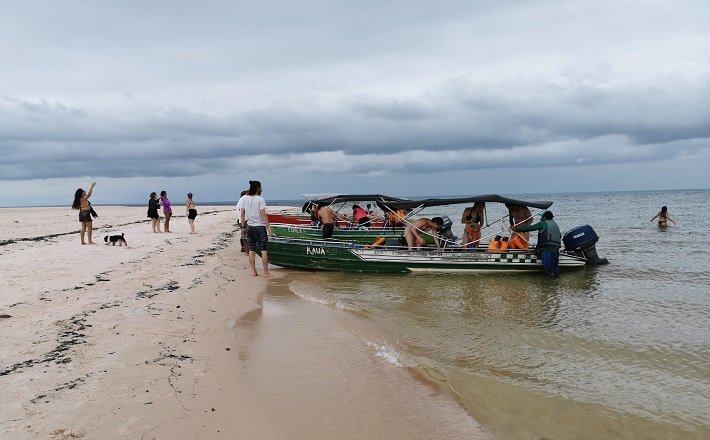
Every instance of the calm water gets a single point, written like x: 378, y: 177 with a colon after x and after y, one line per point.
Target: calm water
x: 618, y: 351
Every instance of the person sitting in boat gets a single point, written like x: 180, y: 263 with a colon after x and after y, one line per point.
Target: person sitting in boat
x: 327, y: 217
x: 412, y: 233
x: 519, y: 215
x: 360, y: 217
x: 663, y: 217
x: 549, y: 241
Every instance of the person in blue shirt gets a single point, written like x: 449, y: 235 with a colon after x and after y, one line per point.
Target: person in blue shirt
x: 549, y: 241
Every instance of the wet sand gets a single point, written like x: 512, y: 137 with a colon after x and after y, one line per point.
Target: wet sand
x: 162, y: 339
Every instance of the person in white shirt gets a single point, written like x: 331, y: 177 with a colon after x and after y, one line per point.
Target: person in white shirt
x: 253, y: 214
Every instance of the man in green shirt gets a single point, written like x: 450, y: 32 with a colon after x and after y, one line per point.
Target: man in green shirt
x: 549, y: 241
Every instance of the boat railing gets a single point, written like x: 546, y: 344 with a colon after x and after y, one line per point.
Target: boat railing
x: 424, y: 249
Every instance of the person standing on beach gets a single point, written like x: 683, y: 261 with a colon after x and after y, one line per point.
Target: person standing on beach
x: 191, y: 211
x: 253, y: 214
x: 242, y: 227
x: 663, y: 217
x: 167, y: 210
x: 549, y: 241
x: 153, y: 205
x: 81, y: 202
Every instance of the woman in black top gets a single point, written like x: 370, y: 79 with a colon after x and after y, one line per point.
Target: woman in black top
x: 153, y: 205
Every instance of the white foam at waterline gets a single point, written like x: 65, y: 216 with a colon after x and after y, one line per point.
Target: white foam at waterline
x: 391, y: 355
x: 348, y: 307
x: 323, y: 299
x: 319, y: 300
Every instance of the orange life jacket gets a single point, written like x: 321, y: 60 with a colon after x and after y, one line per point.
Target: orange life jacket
x: 518, y: 242
x: 494, y: 246
x: 395, y: 218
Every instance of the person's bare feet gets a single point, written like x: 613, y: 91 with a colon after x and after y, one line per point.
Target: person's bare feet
x: 255, y: 274
x: 91, y: 242
x: 267, y: 275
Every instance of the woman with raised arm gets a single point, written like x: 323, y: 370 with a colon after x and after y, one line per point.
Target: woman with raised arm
x: 81, y: 202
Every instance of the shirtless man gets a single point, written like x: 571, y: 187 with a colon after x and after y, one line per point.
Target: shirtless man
x: 327, y: 216
x: 411, y: 232
x: 520, y: 216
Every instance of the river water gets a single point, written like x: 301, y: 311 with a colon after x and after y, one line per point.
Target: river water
x: 617, y: 351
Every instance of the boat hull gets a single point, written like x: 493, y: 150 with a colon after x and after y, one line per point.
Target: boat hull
x: 353, y: 257
x: 289, y: 219
x: 361, y: 236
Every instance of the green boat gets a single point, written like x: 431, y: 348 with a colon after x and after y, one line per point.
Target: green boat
x: 355, y: 250
x: 353, y: 257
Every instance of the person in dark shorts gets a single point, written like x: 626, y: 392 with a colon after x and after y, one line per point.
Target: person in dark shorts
x: 242, y: 227
x: 253, y: 214
x: 327, y: 217
x: 153, y: 205
x: 81, y: 202
x: 191, y: 211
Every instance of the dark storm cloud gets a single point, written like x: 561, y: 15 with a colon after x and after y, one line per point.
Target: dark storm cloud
x: 130, y: 89
x: 464, y: 126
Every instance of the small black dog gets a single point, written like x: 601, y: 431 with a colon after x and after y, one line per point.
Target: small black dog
x: 113, y: 239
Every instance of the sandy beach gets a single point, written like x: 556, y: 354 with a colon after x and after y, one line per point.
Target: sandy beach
x: 123, y: 342
x: 152, y: 340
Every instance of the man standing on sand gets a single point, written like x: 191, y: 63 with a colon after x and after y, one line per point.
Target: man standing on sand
x: 253, y: 214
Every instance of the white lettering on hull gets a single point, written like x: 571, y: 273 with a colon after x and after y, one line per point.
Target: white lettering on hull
x: 315, y: 250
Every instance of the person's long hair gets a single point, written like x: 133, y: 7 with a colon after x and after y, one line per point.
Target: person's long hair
x: 254, y: 186
x: 77, y: 199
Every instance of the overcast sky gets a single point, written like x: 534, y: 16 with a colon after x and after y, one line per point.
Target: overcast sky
x: 398, y: 97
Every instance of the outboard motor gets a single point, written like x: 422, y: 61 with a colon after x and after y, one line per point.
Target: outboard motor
x: 444, y: 231
x: 581, y: 240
